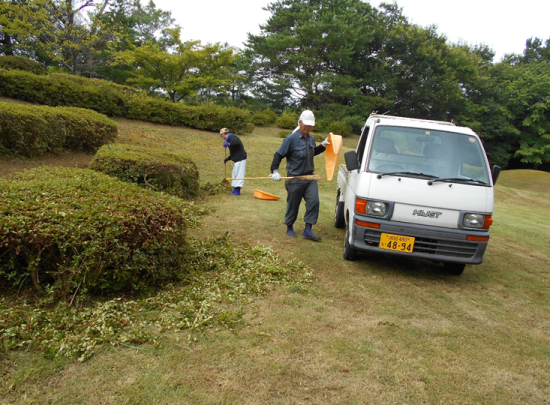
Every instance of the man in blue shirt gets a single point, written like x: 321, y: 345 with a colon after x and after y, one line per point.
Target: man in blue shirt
x: 299, y: 148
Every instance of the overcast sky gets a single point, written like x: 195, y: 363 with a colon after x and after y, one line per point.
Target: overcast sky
x: 503, y: 25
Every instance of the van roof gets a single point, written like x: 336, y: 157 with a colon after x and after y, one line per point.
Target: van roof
x: 417, y: 123
x: 393, y: 117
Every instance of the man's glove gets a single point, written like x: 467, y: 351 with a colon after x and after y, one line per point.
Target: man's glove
x: 275, y: 175
x: 225, y: 144
x: 325, y: 142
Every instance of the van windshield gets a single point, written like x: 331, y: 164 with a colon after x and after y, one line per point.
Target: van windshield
x: 426, y: 153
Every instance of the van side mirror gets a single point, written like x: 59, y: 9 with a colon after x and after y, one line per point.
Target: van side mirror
x: 495, y: 173
x: 352, y: 163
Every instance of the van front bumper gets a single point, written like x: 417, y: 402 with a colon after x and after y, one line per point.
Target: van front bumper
x: 438, y: 244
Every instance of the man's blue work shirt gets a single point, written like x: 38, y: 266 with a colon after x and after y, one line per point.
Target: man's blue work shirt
x: 299, y: 152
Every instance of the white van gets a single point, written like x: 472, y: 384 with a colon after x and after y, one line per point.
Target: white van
x: 416, y: 188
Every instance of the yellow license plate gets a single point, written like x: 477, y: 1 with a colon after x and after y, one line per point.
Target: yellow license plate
x: 396, y: 242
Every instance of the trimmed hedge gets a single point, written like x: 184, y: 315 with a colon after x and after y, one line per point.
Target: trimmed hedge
x: 288, y: 120
x: 158, y: 169
x: 264, y: 118
x: 20, y: 63
x: 118, y: 101
x: 78, y: 230
x: 208, y: 117
x: 340, y: 128
x: 35, y: 130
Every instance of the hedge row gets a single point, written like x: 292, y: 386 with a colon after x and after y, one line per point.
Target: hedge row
x: 158, y: 169
x: 20, y: 63
x: 117, y: 101
x: 34, y: 130
x: 76, y: 230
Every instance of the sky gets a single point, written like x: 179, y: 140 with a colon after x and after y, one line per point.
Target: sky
x: 503, y: 25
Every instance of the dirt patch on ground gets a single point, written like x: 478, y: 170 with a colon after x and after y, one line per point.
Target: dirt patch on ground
x: 78, y: 160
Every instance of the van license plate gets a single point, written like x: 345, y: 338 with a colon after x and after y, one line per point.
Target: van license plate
x: 396, y: 242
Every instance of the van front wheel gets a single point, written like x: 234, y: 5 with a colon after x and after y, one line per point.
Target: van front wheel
x: 349, y: 252
x: 339, y: 218
x: 456, y: 269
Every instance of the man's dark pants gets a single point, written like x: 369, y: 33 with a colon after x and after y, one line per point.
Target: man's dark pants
x: 309, y: 191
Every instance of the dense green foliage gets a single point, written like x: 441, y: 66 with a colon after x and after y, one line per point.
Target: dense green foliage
x: 158, y: 169
x: 264, y: 118
x: 66, y: 90
x: 339, y: 128
x: 78, y: 231
x: 287, y: 120
x: 116, y: 100
x: 35, y: 130
x: 20, y: 63
x: 209, y: 117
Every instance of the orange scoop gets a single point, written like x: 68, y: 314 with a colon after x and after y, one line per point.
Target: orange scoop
x: 262, y: 195
x: 332, y: 154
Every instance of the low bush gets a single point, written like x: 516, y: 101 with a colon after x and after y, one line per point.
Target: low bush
x: 78, y: 231
x: 35, y: 130
x: 208, y: 117
x: 66, y: 90
x: 288, y: 120
x: 20, y: 63
x: 264, y: 118
x: 118, y: 101
x: 339, y: 128
x: 158, y: 169
x: 284, y: 133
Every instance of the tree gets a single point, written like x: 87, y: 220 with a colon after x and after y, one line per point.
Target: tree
x: 67, y: 33
x: 185, y: 70
x: 309, y: 48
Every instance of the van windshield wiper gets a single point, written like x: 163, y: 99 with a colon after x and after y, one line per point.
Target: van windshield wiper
x: 458, y: 180
x: 428, y: 176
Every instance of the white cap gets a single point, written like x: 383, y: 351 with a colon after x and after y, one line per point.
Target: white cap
x: 307, y: 118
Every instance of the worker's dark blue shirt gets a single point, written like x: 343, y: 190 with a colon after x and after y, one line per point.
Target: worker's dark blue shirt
x: 299, y: 151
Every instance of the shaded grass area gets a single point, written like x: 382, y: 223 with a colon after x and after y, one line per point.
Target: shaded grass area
x: 381, y: 330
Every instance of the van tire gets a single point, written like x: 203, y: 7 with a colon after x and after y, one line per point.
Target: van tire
x: 339, y: 215
x: 349, y: 252
x: 456, y: 269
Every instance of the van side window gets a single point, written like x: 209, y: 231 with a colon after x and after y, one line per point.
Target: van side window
x: 362, y: 143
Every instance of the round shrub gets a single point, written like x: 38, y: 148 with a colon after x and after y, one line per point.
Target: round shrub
x: 288, y: 120
x: 339, y: 128
x: 76, y: 230
x: 20, y: 63
x: 264, y: 118
x: 158, y: 169
x: 29, y: 130
x: 249, y: 128
x: 284, y: 133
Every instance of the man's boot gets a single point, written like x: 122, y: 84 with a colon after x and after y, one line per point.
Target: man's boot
x: 290, y: 231
x: 309, y: 235
x: 236, y: 191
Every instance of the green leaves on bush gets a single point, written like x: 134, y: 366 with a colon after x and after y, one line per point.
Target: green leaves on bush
x: 264, y: 118
x: 288, y: 120
x: 158, y: 169
x: 339, y: 128
x: 76, y: 230
x: 209, y: 117
x: 118, y: 101
x: 20, y: 63
x: 35, y: 130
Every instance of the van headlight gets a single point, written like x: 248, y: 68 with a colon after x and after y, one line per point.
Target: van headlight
x: 376, y: 208
x: 477, y: 221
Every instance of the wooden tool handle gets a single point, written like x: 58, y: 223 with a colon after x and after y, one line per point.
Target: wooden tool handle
x: 307, y: 177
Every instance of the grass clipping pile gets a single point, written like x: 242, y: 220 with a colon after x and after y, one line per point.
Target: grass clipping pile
x: 219, y: 279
